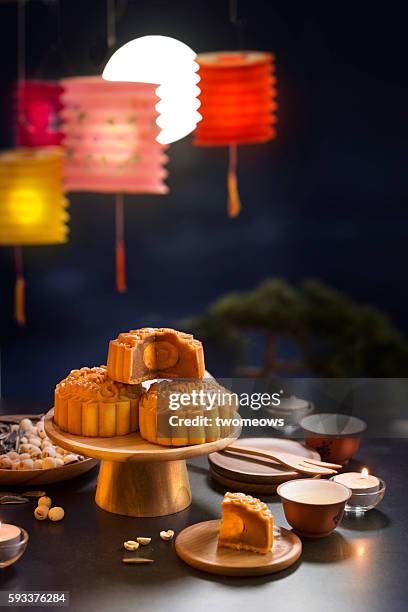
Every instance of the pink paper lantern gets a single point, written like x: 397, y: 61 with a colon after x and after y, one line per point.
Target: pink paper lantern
x: 110, y: 137
x: 37, y: 106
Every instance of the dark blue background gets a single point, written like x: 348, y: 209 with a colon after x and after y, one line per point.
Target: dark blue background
x: 327, y: 199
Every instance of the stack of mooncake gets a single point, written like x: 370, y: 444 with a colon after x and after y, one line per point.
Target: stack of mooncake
x: 114, y: 400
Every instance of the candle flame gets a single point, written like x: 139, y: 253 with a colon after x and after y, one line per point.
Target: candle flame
x: 360, y: 550
x: 364, y: 472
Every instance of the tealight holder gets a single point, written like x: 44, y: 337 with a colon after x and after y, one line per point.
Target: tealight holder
x: 359, y: 503
x: 10, y: 553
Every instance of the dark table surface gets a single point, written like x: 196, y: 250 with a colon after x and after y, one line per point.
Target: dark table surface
x: 361, y: 566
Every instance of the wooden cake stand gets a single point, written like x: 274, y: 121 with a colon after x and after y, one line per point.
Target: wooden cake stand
x: 136, y: 477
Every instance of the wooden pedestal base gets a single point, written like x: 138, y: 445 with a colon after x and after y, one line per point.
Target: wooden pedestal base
x: 143, y: 488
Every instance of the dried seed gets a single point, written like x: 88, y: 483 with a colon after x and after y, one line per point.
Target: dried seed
x: 144, y: 541
x: 137, y: 560
x: 131, y: 545
x: 167, y: 535
x: 34, y: 494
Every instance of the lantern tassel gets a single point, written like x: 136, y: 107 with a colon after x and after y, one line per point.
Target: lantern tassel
x: 19, y: 289
x: 120, y: 254
x: 234, y: 202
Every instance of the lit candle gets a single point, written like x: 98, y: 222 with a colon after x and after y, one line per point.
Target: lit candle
x: 9, y: 534
x: 10, y: 539
x: 362, y: 484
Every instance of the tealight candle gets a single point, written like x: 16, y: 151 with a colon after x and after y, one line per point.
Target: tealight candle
x: 12, y: 543
x: 9, y: 534
x: 365, y: 488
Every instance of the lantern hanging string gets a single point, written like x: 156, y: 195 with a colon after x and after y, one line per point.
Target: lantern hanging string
x: 234, y: 202
x: 120, y: 253
x: 110, y: 23
x: 19, y: 289
x: 21, y: 57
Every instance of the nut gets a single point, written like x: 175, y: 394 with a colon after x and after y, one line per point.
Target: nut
x: 167, y: 535
x: 26, y: 424
x: 49, y: 463
x: 131, y: 545
x: 56, y: 514
x: 41, y: 513
x: 144, y: 541
x: 49, y: 452
x: 26, y: 464
x: 70, y: 458
x: 45, y: 501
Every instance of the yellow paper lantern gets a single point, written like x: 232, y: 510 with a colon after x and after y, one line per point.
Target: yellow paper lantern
x: 32, y: 205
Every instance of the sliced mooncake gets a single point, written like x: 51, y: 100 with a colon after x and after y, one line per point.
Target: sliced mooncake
x: 246, y: 524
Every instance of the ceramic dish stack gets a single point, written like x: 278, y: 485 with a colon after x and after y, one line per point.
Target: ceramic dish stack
x: 256, y: 475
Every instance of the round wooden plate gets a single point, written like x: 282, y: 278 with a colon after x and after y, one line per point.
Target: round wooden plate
x: 127, y: 448
x: 197, y: 546
x: 136, y: 477
x: 256, y: 469
x: 23, y: 478
x: 244, y: 487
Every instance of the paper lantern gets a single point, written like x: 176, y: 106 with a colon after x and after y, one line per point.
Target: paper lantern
x: 37, y: 106
x: 167, y: 62
x: 110, y: 141
x: 32, y: 205
x: 237, y: 106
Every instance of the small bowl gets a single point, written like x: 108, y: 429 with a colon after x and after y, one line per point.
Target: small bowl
x: 312, y: 507
x: 292, y: 410
x: 336, y: 437
x: 10, y: 553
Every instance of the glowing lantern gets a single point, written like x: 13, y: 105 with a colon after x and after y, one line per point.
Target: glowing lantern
x: 169, y: 63
x: 237, y: 105
x: 110, y: 142
x: 37, y: 107
x: 32, y: 205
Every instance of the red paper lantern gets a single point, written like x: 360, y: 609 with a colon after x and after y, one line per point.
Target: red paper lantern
x: 237, y: 105
x: 37, y: 107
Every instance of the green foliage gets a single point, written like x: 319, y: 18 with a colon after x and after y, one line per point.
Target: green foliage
x: 335, y: 335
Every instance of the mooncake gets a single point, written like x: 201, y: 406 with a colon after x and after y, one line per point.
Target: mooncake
x: 150, y: 353
x: 246, y: 524
x: 182, y: 413
x: 89, y: 403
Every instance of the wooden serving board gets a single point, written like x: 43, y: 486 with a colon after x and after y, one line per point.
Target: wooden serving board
x: 131, y: 447
x: 197, y: 546
x: 251, y: 469
x: 136, y: 477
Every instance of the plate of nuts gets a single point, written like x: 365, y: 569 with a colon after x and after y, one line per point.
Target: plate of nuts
x: 28, y: 457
